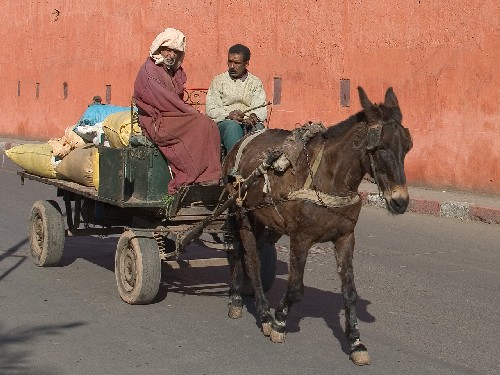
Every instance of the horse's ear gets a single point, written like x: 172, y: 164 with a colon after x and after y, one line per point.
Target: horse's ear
x: 363, y: 98
x: 391, y: 101
x: 372, y: 112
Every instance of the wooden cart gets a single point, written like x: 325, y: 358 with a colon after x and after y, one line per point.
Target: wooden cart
x: 132, y: 201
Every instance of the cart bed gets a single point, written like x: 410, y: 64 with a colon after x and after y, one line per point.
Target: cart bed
x: 190, y: 202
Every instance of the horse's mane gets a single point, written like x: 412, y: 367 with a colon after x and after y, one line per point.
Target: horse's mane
x: 343, y: 126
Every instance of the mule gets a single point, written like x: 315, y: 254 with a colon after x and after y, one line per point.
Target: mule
x: 315, y: 200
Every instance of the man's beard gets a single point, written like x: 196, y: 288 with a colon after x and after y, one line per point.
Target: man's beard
x: 169, y: 62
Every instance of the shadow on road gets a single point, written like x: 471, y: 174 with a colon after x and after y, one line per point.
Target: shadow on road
x: 316, y: 303
x: 11, y: 253
x: 213, y: 281
x: 97, y: 250
x: 15, y: 357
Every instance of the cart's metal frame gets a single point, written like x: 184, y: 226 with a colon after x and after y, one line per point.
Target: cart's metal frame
x: 196, y: 213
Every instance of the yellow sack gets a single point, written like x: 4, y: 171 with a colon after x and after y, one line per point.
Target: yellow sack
x: 116, y: 128
x: 95, y: 165
x: 34, y: 158
x: 78, y: 165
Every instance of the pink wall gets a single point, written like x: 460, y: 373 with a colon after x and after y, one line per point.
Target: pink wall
x: 442, y: 60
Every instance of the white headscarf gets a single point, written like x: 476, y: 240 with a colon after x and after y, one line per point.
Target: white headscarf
x: 171, y: 38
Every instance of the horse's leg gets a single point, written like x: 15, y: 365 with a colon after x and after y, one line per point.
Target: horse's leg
x: 344, y: 248
x: 252, y: 264
x: 234, y: 259
x: 299, y: 248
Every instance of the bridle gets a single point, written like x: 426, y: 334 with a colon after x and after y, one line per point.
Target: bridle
x: 373, y: 144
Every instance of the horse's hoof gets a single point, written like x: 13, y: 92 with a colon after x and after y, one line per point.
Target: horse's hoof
x: 266, y: 329
x: 235, y: 312
x: 277, y: 337
x: 360, y: 358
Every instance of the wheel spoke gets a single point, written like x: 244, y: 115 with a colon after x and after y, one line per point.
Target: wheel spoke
x: 39, y: 234
x: 129, y: 269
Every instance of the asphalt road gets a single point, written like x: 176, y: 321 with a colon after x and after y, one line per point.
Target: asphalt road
x: 428, y: 304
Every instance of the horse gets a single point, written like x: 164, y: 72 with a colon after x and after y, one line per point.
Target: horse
x: 314, y: 200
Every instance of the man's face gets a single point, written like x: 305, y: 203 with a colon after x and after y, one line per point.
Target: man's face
x: 171, y: 56
x: 237, y: 67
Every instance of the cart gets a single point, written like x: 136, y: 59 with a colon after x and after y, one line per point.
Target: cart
x: 154, y: 227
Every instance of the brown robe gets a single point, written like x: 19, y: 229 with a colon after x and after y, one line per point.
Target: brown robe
x: 189, y: 140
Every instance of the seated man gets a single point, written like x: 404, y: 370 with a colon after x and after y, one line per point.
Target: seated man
x: 189, y: 140
x: 235, y: 94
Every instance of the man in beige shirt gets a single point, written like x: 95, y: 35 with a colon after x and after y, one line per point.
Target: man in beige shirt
x: 236, y: 99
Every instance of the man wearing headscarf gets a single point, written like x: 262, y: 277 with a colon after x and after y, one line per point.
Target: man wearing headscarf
x: 189, y: 140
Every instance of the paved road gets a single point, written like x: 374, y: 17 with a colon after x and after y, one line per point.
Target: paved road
x: 428, y: 305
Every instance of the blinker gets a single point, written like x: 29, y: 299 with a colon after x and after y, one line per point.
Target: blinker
x: 373, y: 137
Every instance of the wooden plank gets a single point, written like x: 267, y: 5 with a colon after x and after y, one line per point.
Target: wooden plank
x: 197, y: 263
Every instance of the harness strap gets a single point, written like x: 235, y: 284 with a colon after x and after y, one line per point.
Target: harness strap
x: 242, y: 146
x: 374, y: 172
x: 314, y: 168
x: 323, y: 199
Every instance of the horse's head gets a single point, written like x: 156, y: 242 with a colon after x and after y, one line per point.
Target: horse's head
x: 388, y: 142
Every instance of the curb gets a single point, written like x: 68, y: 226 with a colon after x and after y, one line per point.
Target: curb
x: 6, y: 145
x: 457, y: 210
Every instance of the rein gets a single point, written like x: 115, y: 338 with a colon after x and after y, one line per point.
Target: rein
x: 309, y: 193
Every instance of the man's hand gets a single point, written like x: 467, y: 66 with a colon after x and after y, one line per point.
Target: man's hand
x: 251, y: 120
x: 236, y: 115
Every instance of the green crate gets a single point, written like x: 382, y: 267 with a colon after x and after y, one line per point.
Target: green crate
x: 148, y: 173
x: 112, y: 174
x: 139, y: 173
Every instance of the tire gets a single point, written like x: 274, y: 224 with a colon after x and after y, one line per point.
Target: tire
x: 137, y: 267
x: 268, y: 258
x: 46, y: 233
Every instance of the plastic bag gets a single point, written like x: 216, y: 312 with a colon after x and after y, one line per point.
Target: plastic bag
x: 97, y: 113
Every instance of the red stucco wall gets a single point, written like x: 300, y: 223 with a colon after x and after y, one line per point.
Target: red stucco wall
x: 442, y: 60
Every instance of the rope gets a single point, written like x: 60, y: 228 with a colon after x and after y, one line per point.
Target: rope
x: 327, y: 200
x: 237, y: 186
x: 267, y: 184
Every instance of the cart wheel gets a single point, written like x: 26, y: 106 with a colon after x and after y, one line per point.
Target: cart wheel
x: 268, y: 258
x: 137, y: 267
x: 46, y: 233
